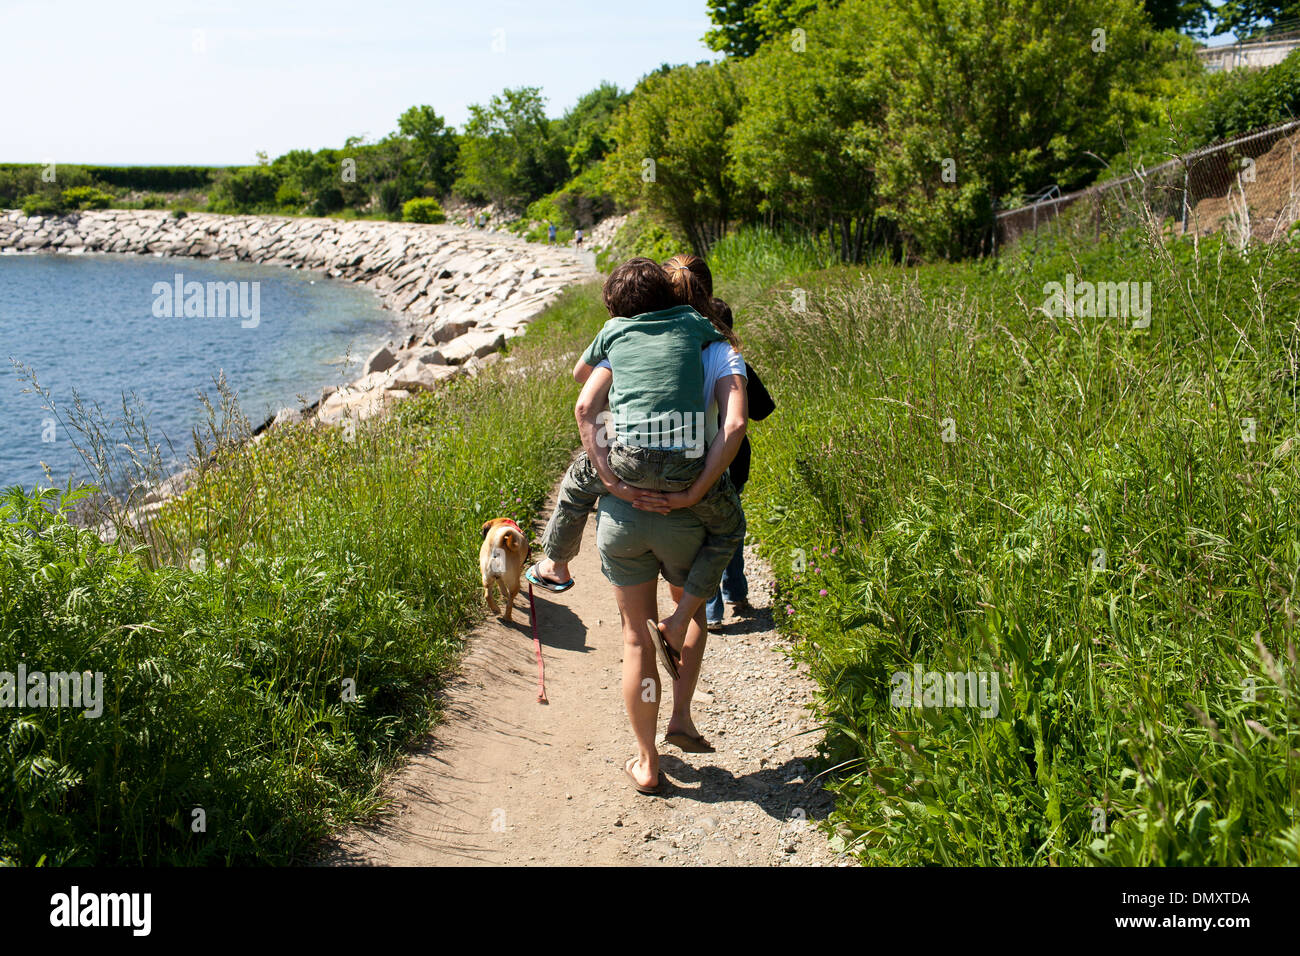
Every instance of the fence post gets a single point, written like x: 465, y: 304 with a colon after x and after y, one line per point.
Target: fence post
x: 1186, y: 199
x: 1291, y: 197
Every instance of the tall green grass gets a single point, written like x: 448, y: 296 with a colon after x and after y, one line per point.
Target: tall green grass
x: 277, y: 635
x: 1101, y: 531
x: 761, y: 255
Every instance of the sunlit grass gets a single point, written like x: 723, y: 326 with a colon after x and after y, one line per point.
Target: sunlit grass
x: 276, y: 636
x: 1097, y: 531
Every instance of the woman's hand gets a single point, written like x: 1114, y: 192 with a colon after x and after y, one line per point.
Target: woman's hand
x: 734, y: 408
x: 662, y: 502
x: 621, y: 489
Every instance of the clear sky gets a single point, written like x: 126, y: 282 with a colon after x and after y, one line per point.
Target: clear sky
x: 210, y: 83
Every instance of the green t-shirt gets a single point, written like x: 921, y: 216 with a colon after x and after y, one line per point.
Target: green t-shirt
x: 656, y: 397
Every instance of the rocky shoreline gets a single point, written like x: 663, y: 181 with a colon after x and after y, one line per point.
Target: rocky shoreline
x: 463, y: 292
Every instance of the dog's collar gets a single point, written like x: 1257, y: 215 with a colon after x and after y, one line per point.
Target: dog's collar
x: 515, y: 526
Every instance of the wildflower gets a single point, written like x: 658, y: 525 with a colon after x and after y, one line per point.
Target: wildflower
x: 823, y: 592
x: 789, y: 610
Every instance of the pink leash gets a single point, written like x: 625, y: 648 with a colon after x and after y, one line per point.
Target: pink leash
x: 537, y: 646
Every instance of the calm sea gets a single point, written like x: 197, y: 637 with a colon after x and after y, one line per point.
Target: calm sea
x: 92, y: 324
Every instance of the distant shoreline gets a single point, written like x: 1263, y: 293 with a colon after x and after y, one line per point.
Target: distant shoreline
x: 458, y: 289
x: 461, y: 293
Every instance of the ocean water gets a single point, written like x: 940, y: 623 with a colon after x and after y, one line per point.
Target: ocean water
x: 104, y: 325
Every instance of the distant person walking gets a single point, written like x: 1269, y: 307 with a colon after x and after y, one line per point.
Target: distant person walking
x: 550, y: 233
x: 577, y: 238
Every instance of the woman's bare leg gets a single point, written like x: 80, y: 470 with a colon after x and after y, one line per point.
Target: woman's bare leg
x: 697, y: 636
x: 642, y: 688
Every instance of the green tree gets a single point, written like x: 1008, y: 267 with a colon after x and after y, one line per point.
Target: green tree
x: 317, y: 177
x: 584, y: 130
x: 246, y: 189
x: 742, y: 26
x: 1187, y: 16
x: 807, y: 137
x: 508, y: 153
x: 672, y: 156
x: 992, y: 99
x: 1244, y: 17
x: 435, y: 146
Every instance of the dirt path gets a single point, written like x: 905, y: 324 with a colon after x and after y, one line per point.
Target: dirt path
x: 508, y: 781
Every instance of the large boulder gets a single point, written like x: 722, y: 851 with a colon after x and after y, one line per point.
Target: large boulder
x: 471, y: 345
x: 349, y: 403
x: 380, y: 360
x: 447, y: 329
x: 416, y: 375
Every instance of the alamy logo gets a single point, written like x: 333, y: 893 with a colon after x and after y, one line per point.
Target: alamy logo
x: 1121, y: 300
x: 976, y: 689
x: 213, y: 300
x: 53, y: 689
x: 664, y: 430
x: 75, y: 908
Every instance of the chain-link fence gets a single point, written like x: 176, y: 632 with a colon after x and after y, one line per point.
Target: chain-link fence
x: 1246, y: 187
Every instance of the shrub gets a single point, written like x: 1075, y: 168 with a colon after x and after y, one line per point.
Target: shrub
x: 643, y: 235
x: 86, y: 197
x: 1251, y: 99
x: 41, y: 205
x: 423, y: 209
x: 249, y: 189
x: 288, y: 196
x: 154, y: 177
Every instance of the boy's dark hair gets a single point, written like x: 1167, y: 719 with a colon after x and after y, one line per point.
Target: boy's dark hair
x: 637, y: 286
x: 723, y: 313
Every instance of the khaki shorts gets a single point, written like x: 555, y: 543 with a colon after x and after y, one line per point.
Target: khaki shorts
x: 637, y: 546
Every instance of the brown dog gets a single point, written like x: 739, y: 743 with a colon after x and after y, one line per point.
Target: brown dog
x: 501, y: 559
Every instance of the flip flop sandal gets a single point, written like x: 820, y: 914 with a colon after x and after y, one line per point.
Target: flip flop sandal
x: 688, y: 744
x: 541, y: 582
x: 667, y: 656
x: 654, y: 791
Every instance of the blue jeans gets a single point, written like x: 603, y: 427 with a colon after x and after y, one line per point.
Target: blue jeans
x: 734, y: 586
